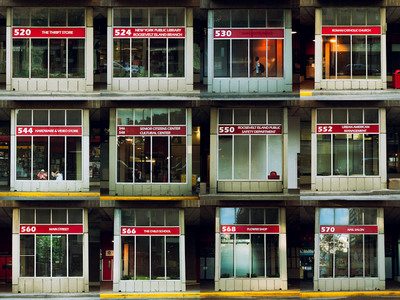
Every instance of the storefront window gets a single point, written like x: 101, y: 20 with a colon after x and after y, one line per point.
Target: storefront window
x: 49, y: 57
x: 42, y: 152
x: 50, y: 255
x: 343, y: 153
x: 250, y: 154
x: 145, y: 158
x: 249, y: 255
x: 347, y: 255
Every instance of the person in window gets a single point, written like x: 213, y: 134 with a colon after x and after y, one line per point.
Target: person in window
x: 259, y: 69
x: 42, y: 175
x: 57, y: 175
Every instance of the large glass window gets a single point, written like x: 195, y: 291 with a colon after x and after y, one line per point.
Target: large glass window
x: 249, y: 156
x: 249, y: 255
x: 48, y: 157
x: 347, y: 154
x: 51, y: 255
x: 146, y: 159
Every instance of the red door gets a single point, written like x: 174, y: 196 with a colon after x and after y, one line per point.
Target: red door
x: 107, y: 268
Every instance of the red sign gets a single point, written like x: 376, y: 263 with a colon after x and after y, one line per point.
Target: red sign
x: 47, y: 229
x: 348, y: 128
x: 150, y: 230
x: 47, y: 32
x: 248, y: 33
x: 48, y: 130
x: 250, y: 129
x: 351, y: 30
x: 151, y: 130
x: 163, y: 32
x: 349, y: 229
x: 249, y: 228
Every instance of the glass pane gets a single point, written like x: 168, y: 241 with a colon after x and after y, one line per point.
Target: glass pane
x: 326, y: 216
x: 43, y: 216
x: 324, y: 116
x: 274, y: 116
x: 172, y: 250
x: 371, y: 256
x: 75, y: 216
x: 157, y: 217
x: 40, y: 117
x: 258, y: 58
x: 139, y: 67
x: 128, y: 257
x: 371, y: 116
x: 57, y: 157
x: 27, y: 244
x: 20, y: 16
x: 275, y: 18
x: 341, y: 255
x: 275, y: 156
x: 39, y: 58
x: 24, y: 117
x: 222, y: 62
x: 74, y: 117
x: 27, y: 262
x: 343, y: 16
x: 257, y: 17
x: 57, y: 117
x: 343, y: 57
x: 160, y: 159
x: 125, y: 163
x: 241, y: 116
x: 124, y: 116
x: 328, y: 57
x: 20, y: 58
x: 43, y: 263
x: 176, y: 57
x: 142, y: 256
x: 127, y: 217
x: 142, y: 159
x: 121, y: 17
x: 178, y: 159
x: 241, y: 157
x: 355, y: 216
x: 76, y: 17
x: 242, y: 215
x: 272, y: 255
x: 323, y: 155
x: 356, y: 255
x: 328, y: 16
x: 359, y: 57
x: 74, y: 158
x: 275, y: 58
x: 371, y: 154
x: 225, y: 116
x: 225, y: 157
x: 257, y: 255
x: 76, y: 58
x: 23, y: 158
x: 227, y: 255
x: 75, y: 255
x: 242, y: 255
x: 158, y: 57
x: 240, y: 58
x: 178, y: 116
x: 59, y: 216
x: 340, y: 154
x: 240, y: 18
x: 272, y: 215
x: 39, y: 17
x: 27, y: 216
x: 374, y: 57
x: 172, y: 217
x: 222, y: 18
x: 58, y: 17
x: 356, y: 154
x: 258, y: 116
x: 228, y: 215
x: 257, y: 215
x: 258, y: 157
x: 140, y: 17
x: 142, y: 217
x: 341, y: 216
x: 326, y: 256
x: 370, y: 216
x: 121, y: 65
x: 176, y: 17
x: 355, y: 116
x: 373, y: 16
x: 59, y: 255
x: 160, y: 116
x: 142, y: 116
x: 40, y: 156
x: 158, y: 17
x: 358, y: 16
x: 157, y: 257
x: 340, y: 116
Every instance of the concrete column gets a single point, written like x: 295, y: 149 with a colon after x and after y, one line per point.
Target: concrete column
x: 283, y: 249
x: 217, y: 263
x: 110, y: 49
x: 9, y: 49
x: 213, y: 150
x: 287, y: 60
x: 117, y: 250
x: 318, y: 49
x: 210, y: 50
x: 85, y: 250
x: 316, y: 250
x: 15, y: 250
x: 381, y: 248
x: 85, y: 150
x: 383, y: 49
x: 89, y: 41
x: 294, y: 149
x: 13, y: 151
x: 112, y: 154
x: 382, y: 148
x: 189, y: 49
x: 182, y: 256
x: 189, y: 142
x: 285, y: 150
x: 313, y: 149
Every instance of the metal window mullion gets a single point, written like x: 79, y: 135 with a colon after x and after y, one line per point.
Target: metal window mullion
x: 48, y: 58
x: 166, y: 54
x: 366, y: 56
x: 351, y: 57
x: 67, y: 250
x: 267, y: 157
x: 134, y: 158
x: 165, y: 257
x: 334, y: 257
x: 169, y: 158
x: 230, y: 57
x: 66, y: 56
x: 363, y: 154
x: 51, y: 255
x: 151, y: 158
x: 266, y: 61
x: 150, y: 256
x: 130, y: 55
x: 265, y: 252
x: 32, y: 157
x: 65, y: 157
x: 148, y: 44
x: 348, y: 258
x: 234, y: 256
x: 248, y: 55
x: 134, y: 257
x: 48, y: 157
x: 332, y: 156
x: 30, y: 58
x: 347, y: 152
x: 233, y: 157
x: 250, y: 265
x: 363, y: 257
x: 336, y: 52
x: 249, y: 160
x: 34, y: 255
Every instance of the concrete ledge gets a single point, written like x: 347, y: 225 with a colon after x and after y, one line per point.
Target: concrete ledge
x: 49, y: 196
x: 150, y: 198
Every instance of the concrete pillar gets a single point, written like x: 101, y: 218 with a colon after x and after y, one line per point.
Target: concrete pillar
x: 318, y: 49
x: 189, y: 158
x: 382, y: 148
x: 313, y: 149
x: 89, y: 41
x: 381, y: 248
x: 383, y: 49
x: 217, y: 249
x: 85, y: 150
x: 316, y: 250
x: 112, y: 153
x: 285, y: 150
x: 15, y: 251
x: 117, y: 250
x: 210, y: 50
x: 13, y: 151
x: 110, y: 49
x: 213, y: 150
x: 287, y: 61
x: 85, y: 251
x: 283, y: 249
x: 189, y: 49
x: 9, y: 49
